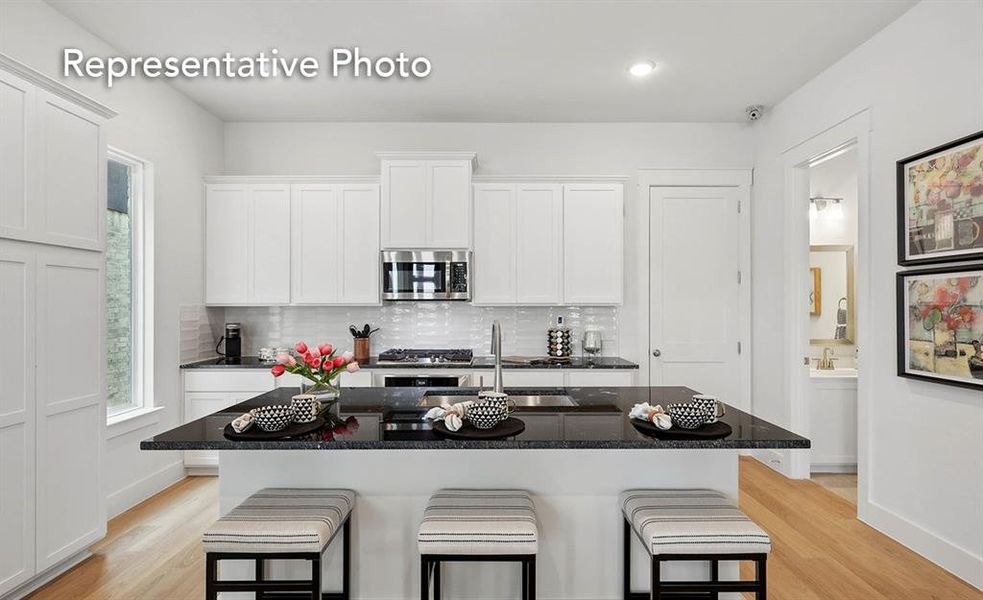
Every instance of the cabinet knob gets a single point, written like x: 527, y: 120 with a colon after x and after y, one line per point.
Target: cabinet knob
x: 657, y: 353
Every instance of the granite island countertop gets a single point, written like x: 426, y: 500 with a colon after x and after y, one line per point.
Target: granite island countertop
x: 479, y: 362
x: 373, y: 419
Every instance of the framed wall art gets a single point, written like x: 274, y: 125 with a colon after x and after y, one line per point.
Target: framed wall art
x: 940, y: 325
x: 940, y: 203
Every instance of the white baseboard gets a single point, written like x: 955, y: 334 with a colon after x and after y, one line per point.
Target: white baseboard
x: 773, y: 459
x: 834, y: 467
x: 201, y: 471
x: 46, y: 576
x: 138, y: 491
x: 950, y: 557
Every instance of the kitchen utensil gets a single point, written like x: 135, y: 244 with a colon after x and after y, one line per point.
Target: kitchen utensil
x: 364, y: 332
x: 273, y: 417
x: 688, y: 416
x: 485, y: 416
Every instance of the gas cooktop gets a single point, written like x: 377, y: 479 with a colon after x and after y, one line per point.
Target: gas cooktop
x: 426, y: 355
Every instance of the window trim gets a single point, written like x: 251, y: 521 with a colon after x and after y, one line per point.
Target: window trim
x: 142, y: 285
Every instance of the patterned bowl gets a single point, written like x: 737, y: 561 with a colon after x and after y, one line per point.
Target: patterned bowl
x: 273, y: 417
x: 688, y: 416
x: 486, y: 416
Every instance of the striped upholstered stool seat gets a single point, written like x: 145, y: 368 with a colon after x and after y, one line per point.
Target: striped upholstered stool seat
x: 692, y: 525
x: 691, y: 522
x: 478, y: 525
x: 280, y: 523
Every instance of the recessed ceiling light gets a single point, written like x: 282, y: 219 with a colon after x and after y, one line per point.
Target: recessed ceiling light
x: 642, y: 68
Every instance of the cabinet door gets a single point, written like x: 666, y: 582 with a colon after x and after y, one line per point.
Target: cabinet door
x: 600, y: 378
x: 405, y: 208
x: 71, y: 407
x: 518, y: 378
x: 269, y: 244
x: 449, y: 185
x: 359, y: 247
x: 226, y: 246
x: 539, y: 243
x: 315, y: 261
x: 72, y: 176
x: 196, y: 406
x: 17, y: 416
x: 18, y: 219
x: 593, y: 231
x: 494, y: 244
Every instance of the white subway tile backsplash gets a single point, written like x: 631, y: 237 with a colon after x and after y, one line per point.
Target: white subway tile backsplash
x: 421, y: 325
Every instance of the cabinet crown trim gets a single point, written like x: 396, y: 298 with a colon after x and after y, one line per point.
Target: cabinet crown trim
x: 54, y: 86
x: 549, y: 178
x: 429, y: 155
x: 291, y: 179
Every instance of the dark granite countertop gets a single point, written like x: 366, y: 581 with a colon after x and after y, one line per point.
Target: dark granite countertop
x: 480, y: 362
x: 389, y: 418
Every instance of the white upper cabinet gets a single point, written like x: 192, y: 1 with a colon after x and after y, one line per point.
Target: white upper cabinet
x: 335, y: 243
x: 426, y: 199
x: 539, y: 243
x: 494, y: 244
x: 247, y: 244
x: 593, y: 243
x: 53, y: 157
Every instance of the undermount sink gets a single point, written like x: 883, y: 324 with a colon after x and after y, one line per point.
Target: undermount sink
x: 521, y: 400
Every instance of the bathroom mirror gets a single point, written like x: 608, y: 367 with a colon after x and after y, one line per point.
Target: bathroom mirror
x: 831, y: 315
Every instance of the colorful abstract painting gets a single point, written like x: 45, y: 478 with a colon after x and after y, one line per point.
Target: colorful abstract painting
x: 943, y: 326
x: 942, y: 196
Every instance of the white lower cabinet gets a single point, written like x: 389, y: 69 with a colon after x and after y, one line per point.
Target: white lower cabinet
x: 601, y: 377
x: 558, y: 378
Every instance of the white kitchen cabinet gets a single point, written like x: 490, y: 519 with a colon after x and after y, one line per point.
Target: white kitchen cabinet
x: 335, y: 244
x: 519, y: 378
x: 601, y: 377
x: 539, y: 243
x: 18, y: 218
x: 593, y: 243
x: 247, y: 244
x: 426, y: 199
x: 494, y: 244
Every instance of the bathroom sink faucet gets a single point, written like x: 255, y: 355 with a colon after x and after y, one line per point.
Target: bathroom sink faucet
x: 496, y: 348
x: 826, y: 362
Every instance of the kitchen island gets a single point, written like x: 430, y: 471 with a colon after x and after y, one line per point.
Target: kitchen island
x: 575, y: 459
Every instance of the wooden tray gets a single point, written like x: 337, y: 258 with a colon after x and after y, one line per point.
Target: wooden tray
x: 710, y: 431
x: 293, y: 430
x: 507, y: 428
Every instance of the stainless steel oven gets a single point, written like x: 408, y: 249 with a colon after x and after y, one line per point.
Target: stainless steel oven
x: 426, y: 274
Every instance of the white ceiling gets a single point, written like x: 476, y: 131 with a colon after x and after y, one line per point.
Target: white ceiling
x: 502, y: 61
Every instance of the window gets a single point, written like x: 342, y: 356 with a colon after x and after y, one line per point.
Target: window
x: 129, y: 281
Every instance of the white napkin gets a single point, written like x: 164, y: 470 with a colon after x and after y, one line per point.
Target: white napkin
x: 652, y: 414
x: 243, y: 422
x: 452, y: 414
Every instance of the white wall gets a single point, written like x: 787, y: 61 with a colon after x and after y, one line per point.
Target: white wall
x: 922, y: 79
x: 184, y: 142
x: 512, y: 149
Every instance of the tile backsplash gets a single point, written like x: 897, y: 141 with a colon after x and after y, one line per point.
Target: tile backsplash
x: 421, y: 325
x: 201, y: 328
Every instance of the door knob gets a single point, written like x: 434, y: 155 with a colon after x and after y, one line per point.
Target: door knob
x: 657, y: 352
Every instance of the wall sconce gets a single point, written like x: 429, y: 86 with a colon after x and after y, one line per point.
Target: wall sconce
x: 824, y: 207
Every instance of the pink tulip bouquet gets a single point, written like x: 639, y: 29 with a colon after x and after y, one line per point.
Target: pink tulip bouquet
x: 318, y: 364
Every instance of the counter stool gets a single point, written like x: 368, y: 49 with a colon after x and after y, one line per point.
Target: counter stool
x: 702, y: 525
x: 478, y: 526
x: 281, y: 523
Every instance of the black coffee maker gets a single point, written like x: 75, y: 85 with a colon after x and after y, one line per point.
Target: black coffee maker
x: 233, y: 342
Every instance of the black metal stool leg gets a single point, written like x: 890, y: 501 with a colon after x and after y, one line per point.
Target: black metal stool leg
x: 626, y: 560
x: 260, y: 576
x: 714, y: 577
x: 761, y: 575
x: 346, y: 559
x: 424, y: 579
x: 211, y: 575
x: 656, y: 593
x: 525, y: 580
x: 316, y: 578
x: 436, y: 580
x: 532, y: 578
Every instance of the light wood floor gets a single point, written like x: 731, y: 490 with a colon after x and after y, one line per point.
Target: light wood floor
x: 820, y: 550
x: 841, y: 484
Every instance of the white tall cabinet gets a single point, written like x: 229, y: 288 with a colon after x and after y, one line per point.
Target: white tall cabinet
x: 52, y: 315
x: 548, y: 243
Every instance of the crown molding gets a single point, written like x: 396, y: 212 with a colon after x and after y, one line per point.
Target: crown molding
x: 429, y: 155
x: 54, y: 86
x: 549, y: 178
x: 291, y: 179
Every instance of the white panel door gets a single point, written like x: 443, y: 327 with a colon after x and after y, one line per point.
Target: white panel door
x: 17, y: 416
x: 315, y: 263
x: 695, y: 317
x: 593, y: 246
x: 71, y: 407
x: 539, y: 243
x: 18, y: 219
x: 226, y: 244
x: 269, y: 244
x: 449, y: 185
x: 72, y: 177
x: 359, y: 244
x: 494, y: 244
x: 405, y: 207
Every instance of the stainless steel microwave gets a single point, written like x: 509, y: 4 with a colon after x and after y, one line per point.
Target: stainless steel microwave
x: 426, y: 274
